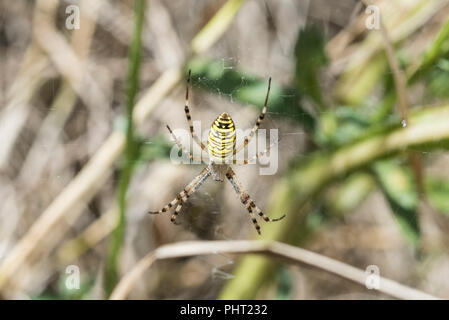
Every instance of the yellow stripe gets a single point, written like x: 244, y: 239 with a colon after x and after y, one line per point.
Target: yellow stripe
x: 227, y: 144
x: 222, y: 139
x: 225, y: 124
x: 224, y: 130
x: 224, y: 121
x: 221, y: 135
x: 221, y: 147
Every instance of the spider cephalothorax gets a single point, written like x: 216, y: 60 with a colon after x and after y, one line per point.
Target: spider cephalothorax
x: 222, y: 151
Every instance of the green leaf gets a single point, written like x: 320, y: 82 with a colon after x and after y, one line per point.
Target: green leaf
x: 341, y: 126
x: 398, y: 186
x: 284, y: 284
x: 155, y: 148
x: 437, y: 192
x: 217, y: 77
x: 350, y: 193
x: 310, y: 58
x: 438, y: 80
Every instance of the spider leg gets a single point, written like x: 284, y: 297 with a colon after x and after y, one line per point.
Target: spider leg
x: 188, y: 194
x: 248, y: 202
x: 189, y: 118
x: 180, y: 146
x: 167, y: 206
x: 184, y: 194
x: 175, y: 214
x: 258, y: 122
x: 182, y: 197
x: 248, y: 161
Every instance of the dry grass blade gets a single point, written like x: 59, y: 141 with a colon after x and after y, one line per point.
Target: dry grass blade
x: 72, y: 199
x: 410, y: 20
x: 62, y: 105
x: 69, y: 65
x: 84, y: 186
x: 400, y: 83
x: 277, y: 249
x: 14, y: 114
x: 398, y: 74
x: 28, y: 80
x: 92, y: 235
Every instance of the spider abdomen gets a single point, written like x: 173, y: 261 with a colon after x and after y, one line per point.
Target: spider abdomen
x: 221, y: 142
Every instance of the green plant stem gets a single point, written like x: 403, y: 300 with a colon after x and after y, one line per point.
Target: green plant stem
x: 130, y: 152
x: 438, y: 48
x: 293, y: 194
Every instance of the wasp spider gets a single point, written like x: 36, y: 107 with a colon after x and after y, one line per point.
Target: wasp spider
x: 221, y: 150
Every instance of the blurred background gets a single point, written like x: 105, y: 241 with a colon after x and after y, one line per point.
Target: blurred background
x: 359, y: 96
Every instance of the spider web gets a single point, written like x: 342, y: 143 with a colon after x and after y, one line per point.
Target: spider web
x: 215, y: 211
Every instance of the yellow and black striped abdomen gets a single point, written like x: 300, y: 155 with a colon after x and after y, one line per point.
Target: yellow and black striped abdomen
x: 221, y: 143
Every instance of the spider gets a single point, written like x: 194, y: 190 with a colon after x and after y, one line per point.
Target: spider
x: 221, y: 148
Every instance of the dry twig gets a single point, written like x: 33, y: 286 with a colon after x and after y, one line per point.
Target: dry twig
x: 277, y: 249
